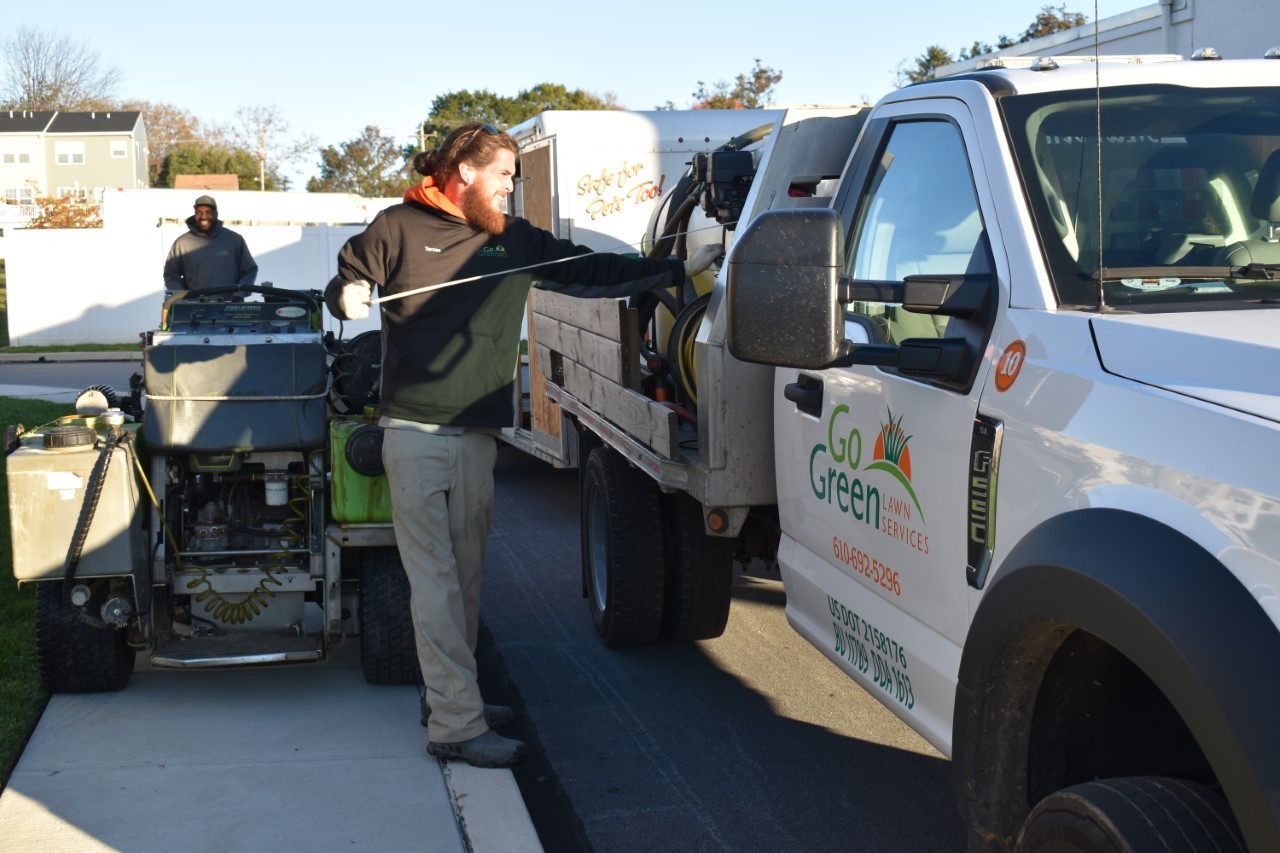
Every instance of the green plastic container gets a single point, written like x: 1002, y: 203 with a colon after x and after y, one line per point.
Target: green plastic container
x: 355, y: 498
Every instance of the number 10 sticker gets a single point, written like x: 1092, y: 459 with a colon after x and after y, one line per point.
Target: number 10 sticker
x: 1009, y: 365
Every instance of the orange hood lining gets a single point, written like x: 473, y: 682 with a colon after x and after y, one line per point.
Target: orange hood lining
x: 426, y: 192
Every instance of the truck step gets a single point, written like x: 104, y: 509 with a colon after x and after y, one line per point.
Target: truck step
x: 244, y: 649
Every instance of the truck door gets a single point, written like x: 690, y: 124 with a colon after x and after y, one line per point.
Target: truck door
x: 873, y: 466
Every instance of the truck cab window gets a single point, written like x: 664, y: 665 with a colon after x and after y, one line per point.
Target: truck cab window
x: 920, y: 215
x: 1170, y: 205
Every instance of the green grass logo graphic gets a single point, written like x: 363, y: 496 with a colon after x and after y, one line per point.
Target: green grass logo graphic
x: 892, y: 455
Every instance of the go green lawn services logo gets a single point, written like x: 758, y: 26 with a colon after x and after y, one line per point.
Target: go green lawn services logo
x: 835, y: 467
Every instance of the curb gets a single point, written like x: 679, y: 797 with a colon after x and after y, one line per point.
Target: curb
x: 491, y: 813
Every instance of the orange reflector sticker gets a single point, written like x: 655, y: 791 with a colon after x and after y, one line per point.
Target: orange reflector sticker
x: 1009, y: 365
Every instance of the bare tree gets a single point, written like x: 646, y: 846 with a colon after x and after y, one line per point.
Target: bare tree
x: 167, y: 127
x: 262, y: 131
x: 49, y: 71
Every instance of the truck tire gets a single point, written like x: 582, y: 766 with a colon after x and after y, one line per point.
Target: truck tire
x: 699, y: 579
x: 73, y: 654
x: 1130, y: 815
x: 388, y: 652
x: 622, y: 550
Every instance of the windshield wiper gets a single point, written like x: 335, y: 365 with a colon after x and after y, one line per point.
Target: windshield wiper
x: 1262, y: 272
x: 1117, y: 273
x: 1265, y: 272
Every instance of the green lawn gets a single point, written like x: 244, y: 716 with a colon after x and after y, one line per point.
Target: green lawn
x: 22, y: 698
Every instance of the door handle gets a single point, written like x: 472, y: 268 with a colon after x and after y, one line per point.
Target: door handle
x: 806, y: 393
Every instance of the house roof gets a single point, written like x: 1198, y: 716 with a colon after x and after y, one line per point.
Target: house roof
x: 25, y: 121
x: 123, y: 121
x: 206, y: 182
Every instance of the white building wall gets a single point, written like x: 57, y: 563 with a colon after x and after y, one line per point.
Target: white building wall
x: 1237, y: 29
x: 17, y: 176
x: 105, y: 285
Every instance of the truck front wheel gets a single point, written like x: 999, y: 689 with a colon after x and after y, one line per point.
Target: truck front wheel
x: 699, y: 573
x: 75, y: 652
x: 622, y: 550
x: 1130, y: 815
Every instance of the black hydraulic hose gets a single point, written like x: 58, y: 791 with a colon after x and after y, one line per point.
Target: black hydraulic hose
x: 675, y: 223
x: 666, y: 299
x: 646, y: 304
x: 682, y: 251
x: 96, y: 478
x: 745, y: 139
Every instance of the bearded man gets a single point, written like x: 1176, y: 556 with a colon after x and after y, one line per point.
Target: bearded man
x: 449, y: 367
x: 209, y: 254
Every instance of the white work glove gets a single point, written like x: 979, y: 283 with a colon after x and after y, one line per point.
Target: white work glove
x: 702, y: 259
x: 354, y: 300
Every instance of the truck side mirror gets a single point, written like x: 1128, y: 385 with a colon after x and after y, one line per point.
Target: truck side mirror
x: 785, y: 298
x: 782, y: 290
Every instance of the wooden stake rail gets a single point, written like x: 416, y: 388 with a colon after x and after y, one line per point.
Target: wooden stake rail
x: 590, y: 347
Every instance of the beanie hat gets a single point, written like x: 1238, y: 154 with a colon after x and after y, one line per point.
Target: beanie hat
x: 206, y: 201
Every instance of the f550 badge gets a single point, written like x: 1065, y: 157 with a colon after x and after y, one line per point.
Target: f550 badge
x: 984, y: 465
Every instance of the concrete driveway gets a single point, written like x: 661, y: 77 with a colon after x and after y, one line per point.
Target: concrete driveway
x: 296, y: 758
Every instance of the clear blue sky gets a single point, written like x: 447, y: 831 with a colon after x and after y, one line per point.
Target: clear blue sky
x: 333, y: 68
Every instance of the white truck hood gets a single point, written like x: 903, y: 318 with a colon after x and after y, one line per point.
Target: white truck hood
x: 1230, y: 358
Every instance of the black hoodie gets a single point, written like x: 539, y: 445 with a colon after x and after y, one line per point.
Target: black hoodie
x: 197, y: 259
x: 450, y: 355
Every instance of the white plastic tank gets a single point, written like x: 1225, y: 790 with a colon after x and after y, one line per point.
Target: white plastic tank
x: 49, y: 477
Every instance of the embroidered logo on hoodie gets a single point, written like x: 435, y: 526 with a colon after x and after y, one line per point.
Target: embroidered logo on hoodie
x: 493, y: 252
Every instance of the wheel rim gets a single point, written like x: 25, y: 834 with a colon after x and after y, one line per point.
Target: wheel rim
x: 598, y: 548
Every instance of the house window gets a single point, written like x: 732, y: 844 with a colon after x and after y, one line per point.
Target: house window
x: 20, y: 195
x: 120, y: 148
x: 68, y: 153
x: 13, y: 158
x: 77, y: 193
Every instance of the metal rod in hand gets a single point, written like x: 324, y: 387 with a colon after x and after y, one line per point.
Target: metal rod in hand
x: 456, y: 281
x: 444, y: 284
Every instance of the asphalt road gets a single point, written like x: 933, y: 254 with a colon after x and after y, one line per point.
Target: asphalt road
x: 75, y: 375
x: 749, y: 742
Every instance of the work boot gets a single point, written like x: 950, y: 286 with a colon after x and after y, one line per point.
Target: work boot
x: 495, y: 716
x: 487, y: 750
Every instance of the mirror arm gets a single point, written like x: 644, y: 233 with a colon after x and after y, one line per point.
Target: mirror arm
x: 850, y: 290
x: 879, y: 355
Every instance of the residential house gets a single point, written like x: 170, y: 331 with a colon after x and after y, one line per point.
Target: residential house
x: 57, y: 154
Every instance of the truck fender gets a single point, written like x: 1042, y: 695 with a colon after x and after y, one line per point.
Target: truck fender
x: 1155, y: 596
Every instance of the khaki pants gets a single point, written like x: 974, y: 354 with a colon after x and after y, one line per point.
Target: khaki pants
x: 442, y: 506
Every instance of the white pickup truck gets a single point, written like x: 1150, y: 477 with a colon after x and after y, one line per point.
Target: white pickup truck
x: 1017, y: 398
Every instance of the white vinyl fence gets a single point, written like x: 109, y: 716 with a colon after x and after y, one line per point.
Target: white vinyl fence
x: 105, y: 285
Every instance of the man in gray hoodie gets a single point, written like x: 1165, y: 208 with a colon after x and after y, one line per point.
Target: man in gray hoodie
x: 208, y: 255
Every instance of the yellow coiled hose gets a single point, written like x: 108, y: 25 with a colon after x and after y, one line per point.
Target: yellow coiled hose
x: 221, y: 608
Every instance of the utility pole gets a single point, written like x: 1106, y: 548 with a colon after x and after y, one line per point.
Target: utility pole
x: 262, y: 160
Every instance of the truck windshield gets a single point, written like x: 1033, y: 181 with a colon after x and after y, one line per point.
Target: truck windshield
x: 1184, y: 212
